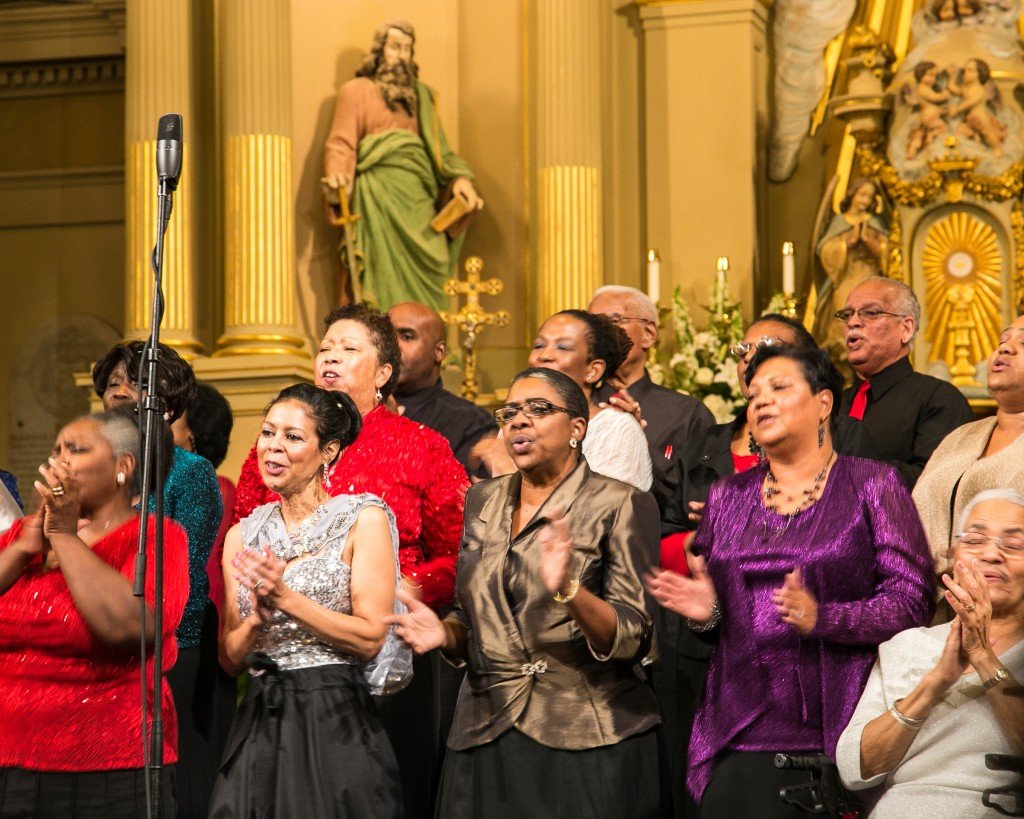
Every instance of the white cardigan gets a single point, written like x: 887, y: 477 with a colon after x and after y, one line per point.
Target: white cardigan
x: 943, y: 772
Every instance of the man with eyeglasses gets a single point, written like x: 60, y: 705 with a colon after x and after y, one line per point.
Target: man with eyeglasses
x: 905, y: 413
x: 672, y: 418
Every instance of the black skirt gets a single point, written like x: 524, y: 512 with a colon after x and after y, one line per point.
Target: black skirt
x: 307, y: 743
x: 515, y: 777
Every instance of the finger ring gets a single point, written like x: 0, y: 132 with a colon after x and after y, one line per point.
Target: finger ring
x: 970, y: 607
x: 57, y: 490
x: 798, y: 615
x: 258, y: 583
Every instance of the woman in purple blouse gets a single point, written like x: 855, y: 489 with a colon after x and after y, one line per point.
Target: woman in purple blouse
x: 801, y: 567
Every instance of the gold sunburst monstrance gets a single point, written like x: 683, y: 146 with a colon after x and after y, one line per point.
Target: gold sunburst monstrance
x: 963, y: 293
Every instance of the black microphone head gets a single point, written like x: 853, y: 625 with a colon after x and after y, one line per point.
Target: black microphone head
x: 168, y: 148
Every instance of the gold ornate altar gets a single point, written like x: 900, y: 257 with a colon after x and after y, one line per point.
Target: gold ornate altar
x: 933, y: 117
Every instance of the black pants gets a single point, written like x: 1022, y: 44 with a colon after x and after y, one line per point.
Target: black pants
x: 119, y: 794
x: 747, y: 783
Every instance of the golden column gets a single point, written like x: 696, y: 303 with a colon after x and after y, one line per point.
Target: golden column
x: 568, y: 116
x: 254, y: 96
x: 158, y: 80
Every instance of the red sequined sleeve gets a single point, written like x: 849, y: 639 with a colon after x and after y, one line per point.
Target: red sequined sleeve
x: 444, y: 493
x: 250, y: 491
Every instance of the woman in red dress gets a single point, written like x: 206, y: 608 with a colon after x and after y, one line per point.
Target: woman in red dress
x: 70, y: 712
x: 412, y: 469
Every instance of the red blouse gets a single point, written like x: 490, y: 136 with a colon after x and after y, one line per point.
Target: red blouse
x: 67, y: 701
x: 411, y: 468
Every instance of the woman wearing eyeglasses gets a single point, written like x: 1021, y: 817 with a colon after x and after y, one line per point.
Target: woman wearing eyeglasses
x: 980, y: 455
x: 588, y: 348
x: 803, y: 565
x: 940, y: 698
x: 549, y: 618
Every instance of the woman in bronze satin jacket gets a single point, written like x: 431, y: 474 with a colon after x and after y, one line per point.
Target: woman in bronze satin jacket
x: 554, y: 717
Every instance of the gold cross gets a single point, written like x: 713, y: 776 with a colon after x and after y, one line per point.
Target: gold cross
x: 471, y: 317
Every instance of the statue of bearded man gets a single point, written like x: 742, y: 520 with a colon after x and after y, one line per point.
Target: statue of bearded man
x: 388, y: 150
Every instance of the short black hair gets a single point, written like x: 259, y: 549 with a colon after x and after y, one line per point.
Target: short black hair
x: 803, y: 337
x: 605, y: 340
x: 816, y: 366
x: 568, y: 391
x: 210, y: 419
x: 177, y: 380
x: 334, y: 414
x: 382, y: 334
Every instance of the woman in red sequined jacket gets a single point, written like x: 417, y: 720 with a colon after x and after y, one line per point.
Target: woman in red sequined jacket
x: 70, y: 712
x: 411, y: 468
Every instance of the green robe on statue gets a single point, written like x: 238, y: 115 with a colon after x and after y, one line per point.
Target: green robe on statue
x: 398, y: 178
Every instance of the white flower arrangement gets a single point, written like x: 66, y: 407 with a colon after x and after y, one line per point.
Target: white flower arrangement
x: 700, y: 363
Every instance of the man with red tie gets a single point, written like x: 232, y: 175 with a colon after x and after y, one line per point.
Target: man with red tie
x: 905, y: 413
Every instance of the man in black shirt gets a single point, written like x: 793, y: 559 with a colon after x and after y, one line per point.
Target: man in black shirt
x: 672, y: 417
x: 905, y: 413
x: 419, y: 392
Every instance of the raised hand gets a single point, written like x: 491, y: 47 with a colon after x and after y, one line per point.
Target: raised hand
x: 795, y: 604
x: 951, y: 665
x: 691, y: 597
x: 967, y: 594
x: 420, y: 628
x: 59, y: 492
x: 261, y: 572
x: 555, y: 547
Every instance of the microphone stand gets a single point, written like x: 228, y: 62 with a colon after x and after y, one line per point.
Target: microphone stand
x: 152, y: 450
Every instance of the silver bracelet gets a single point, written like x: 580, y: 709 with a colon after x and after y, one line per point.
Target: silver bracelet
x: 714, y: 618
x: 910, y: 723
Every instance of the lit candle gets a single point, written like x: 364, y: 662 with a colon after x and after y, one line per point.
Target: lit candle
x: 788, y: 269
x: 722, y: 266
x: 653, y: 275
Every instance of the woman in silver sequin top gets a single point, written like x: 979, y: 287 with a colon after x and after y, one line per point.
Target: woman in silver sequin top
x: 308, y: 582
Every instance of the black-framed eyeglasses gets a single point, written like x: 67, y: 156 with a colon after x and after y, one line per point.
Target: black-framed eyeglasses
x: 618, y: 320
x: 741, y: 348
x: 868, y: 314
x: 1011, y: 546
x: 531, y: 408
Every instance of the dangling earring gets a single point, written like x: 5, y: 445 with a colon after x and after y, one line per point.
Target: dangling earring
x: 327, y: 477
x: 821, y: 435
x: 379, y: 396
x: 121, y: 478
x: 755, y: 448
x: 573, y: 443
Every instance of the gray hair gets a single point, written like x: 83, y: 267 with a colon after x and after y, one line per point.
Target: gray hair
x: 1000, y: 494
x: 906, y: 300
x: 119, y: 429
x: 645, y: 307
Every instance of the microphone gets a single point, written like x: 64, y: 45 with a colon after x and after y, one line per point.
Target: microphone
x: 168, y: 150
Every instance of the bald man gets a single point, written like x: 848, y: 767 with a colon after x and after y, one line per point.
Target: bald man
x: 421, y: 338
x: 672, y: 417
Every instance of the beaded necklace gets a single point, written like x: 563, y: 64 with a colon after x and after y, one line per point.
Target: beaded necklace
x: 811, y: 494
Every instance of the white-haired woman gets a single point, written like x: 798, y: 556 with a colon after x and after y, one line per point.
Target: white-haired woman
x: 940, y: 698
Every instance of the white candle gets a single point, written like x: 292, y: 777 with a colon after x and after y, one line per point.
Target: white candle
x: 788, y: 269
x: 653, y: 275
x: 722, y: 265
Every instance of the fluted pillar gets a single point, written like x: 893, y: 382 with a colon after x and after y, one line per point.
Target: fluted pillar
x: 158, y: 80
x: 567, y: 75
x: 254, y: 98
